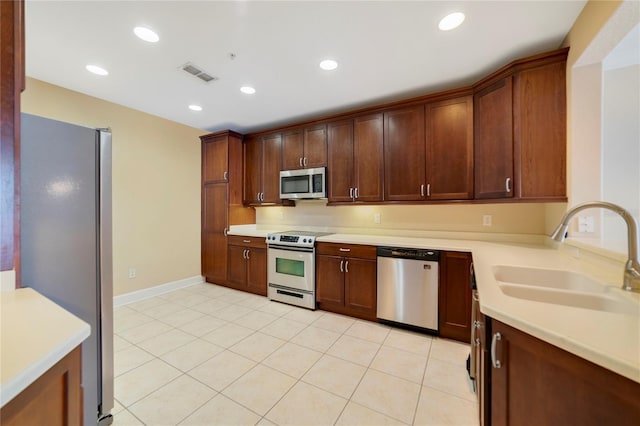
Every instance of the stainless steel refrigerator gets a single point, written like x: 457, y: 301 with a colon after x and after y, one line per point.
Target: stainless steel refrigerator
x: 66, y: 252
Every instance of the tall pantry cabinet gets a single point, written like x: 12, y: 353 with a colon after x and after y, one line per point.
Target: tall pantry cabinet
x: 221, y: 200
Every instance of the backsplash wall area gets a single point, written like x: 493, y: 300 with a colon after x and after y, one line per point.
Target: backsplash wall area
x: 520, y: 218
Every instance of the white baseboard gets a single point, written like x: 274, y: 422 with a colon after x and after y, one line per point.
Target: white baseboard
x: 135, y: 296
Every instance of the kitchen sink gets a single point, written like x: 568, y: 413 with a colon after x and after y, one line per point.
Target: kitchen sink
x: 598, y: 302
x: 560, y: 287
x: 552, y: 278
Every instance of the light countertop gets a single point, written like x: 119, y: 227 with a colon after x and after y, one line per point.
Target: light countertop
x: 610, y: 340
x: 35, y: 334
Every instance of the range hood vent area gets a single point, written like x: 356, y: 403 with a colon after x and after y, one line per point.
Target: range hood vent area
x: 197, y: 72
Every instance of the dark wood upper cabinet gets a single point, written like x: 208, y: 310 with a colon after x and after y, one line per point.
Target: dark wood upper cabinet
x: 263, y: 162
x: 449, y: 161
x: 305, y: 148
x: 404, y: 154
x: 493, y: 148
x: 540, y: 128
x: 216, y: 157
x: 340, y: 173
x: 368, y: 164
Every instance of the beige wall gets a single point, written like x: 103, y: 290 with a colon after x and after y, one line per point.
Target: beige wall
x: 156, y: 184
x: 520, y: 218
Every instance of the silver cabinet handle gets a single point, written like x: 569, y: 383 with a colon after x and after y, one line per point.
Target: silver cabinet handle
x: 494, y: 342
x: 428, y: 190
x: 304, y: 161
x: 356, y: 191
x: 350, y: 192
x: 300, y: 160
x: 244, y: 254
x: 346, y: 266
x: 246, y: 241
x: 248, y: 251
x: 224, y: 232
x: 507, y: 184
x: 258, y: 196
x: 422, y: 190
x: 225, y: 175
x: 347, y: 250
x: 342, y: 265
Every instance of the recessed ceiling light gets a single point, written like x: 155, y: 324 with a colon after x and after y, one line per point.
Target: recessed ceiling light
x: 248, y: 90
x: 96, y: 70
x: 451, y: 21
x: 195, y: 107
x: 328, y: 64
x: 146, y: 34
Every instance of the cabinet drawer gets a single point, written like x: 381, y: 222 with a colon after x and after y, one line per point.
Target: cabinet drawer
x: 347, y: 250
x: 239, y: 240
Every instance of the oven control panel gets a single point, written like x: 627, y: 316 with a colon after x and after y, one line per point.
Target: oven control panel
x: 291, y: 240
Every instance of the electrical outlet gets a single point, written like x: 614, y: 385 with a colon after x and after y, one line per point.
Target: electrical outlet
x: 487, y: 220
x: 586, y: 224
x: 281, y: 215
x: 376, y: 218
x: 132, y: 273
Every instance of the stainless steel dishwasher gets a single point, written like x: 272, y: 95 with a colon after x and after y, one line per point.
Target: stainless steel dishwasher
x: 408, y: 286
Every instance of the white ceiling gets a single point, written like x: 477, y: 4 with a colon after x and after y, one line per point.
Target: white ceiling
x: 387, y: 50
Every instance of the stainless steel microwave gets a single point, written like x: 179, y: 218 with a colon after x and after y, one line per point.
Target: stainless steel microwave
x: 303, y: 184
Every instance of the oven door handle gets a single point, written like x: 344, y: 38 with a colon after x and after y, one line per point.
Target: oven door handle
x: 289, y: 248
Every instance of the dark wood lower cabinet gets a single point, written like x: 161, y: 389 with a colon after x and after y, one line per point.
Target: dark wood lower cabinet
x: 454, y: 313
x: 53, y: 399
x: 540, y: 384
x: 247, y: 264
x: 346, y: 279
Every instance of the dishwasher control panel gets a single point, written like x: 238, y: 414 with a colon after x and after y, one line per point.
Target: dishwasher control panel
x: 409, y: 253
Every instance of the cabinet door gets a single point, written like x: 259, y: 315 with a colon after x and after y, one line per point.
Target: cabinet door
x: 330, y: 280
x: 214, y: 257
x: 257, y: 271
x: 541, y: 384
x: 340, y: 161
x: 449, y: 164
x: 493, y: 146
x: 292, y: 150
x: 368, y: 157
x: 315, y: 147
x: 215, y: 154
x: 404, y: 154
x: 360, y: 285
x: 214, y: 204
x: 540, y: 129
x: 454, y: 303
x: 252, y: 170
x: 271, y: 166
x: 237, y: 273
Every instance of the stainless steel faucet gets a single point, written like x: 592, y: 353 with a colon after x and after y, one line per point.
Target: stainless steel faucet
x: 631, y: 280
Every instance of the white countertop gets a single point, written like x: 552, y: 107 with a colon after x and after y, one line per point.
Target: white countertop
x: 35, y: 334
x: 606, y: 339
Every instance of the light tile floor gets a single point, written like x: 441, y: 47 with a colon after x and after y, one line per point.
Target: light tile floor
x: 209, y: 355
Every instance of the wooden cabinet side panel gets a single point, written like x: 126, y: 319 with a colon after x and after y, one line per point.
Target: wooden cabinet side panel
x: 360, y: 285
x: 292, y: 150
x: 271, y: 166
x: 340, y: 161
x: 55, y: 398
x: 493, y: 145
x: 404, y: 154
x: 257, y: 271
x: 540, y: 129
x: 455, y: 296
x: 369, y: 157
x: 449, y: 161
x: 566, y: 389
x: 315, y: 146
x: 330, y: 280
x: 252, y: 170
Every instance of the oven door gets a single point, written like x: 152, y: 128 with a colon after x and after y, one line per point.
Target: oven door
x: 291, y: 267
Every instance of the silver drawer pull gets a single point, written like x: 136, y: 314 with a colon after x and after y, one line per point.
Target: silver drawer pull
x: 494, y: 342
x: 345, y: 249
x: 246, y: 241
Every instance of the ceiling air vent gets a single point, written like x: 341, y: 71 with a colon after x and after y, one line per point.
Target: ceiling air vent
x: 197, y: 72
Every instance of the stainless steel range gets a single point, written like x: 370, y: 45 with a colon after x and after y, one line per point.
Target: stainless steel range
x: 291, y: 267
